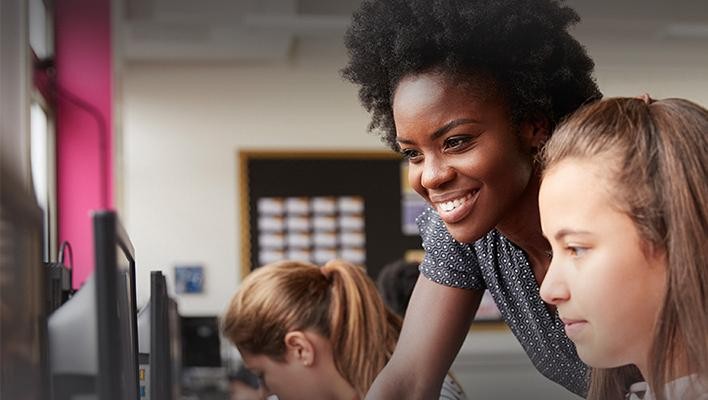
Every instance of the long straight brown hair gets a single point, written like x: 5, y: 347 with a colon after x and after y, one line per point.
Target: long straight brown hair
x: 656, y: 155
x: 338, y: 301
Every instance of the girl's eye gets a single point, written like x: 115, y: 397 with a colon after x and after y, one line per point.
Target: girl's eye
x: 411, y: 155
x: 576, y: 251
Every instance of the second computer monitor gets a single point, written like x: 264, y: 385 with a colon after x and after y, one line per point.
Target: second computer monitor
x: 93, y: 336
x: 163, y: 335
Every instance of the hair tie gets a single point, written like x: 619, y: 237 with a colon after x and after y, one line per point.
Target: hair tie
x: 327, y: 273
x: 646, y: 98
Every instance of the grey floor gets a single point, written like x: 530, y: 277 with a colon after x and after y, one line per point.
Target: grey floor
x: 492, y: 365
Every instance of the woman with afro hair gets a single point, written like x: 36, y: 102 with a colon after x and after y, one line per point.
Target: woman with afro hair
x: 468, y: 92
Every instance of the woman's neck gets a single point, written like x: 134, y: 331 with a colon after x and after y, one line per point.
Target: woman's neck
x: 522, y: 226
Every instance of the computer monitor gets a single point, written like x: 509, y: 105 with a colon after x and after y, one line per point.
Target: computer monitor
x: 176, y: 348
x: 159, y: 338
x: 93, y: 337
x: 23, y: 371
x: 201, y: 344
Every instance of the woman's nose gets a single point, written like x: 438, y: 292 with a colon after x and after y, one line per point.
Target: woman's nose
x: 436, y: 172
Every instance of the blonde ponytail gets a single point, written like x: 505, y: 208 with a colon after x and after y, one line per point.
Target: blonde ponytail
x: 274, y: 300
x: 363, y: 332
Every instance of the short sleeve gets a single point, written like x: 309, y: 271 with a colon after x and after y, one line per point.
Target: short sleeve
x: 447, y: 261
x: 451, y: 389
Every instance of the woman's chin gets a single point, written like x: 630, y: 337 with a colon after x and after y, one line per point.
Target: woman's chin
x: 464, y: 235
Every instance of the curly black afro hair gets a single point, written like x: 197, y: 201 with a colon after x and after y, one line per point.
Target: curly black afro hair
x: 542, y: 70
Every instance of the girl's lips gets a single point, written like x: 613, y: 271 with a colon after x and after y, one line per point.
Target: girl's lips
x: 460, y: 211
x: 573, y: 328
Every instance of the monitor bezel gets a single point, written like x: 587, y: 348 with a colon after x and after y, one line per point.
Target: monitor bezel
x: 110, y: 235
x: 160, y: 339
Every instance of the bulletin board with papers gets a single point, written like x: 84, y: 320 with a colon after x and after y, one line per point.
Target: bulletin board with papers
x: 316, y: 206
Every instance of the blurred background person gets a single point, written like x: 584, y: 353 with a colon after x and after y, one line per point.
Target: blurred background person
x: 312, y: 332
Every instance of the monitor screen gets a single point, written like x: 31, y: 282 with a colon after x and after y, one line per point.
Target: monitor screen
x: 201, y: 344
x: 175, y: 348
x: 23, y: 372
x: 93, y: 336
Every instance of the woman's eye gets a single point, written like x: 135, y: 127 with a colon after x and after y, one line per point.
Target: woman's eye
x: 457, y: 142
x: 411, y: 155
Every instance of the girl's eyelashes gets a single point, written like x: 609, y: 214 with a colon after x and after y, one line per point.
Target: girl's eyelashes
x: 576, y: 251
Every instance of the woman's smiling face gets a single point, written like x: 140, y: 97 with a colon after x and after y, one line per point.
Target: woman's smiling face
x: 466, y: 156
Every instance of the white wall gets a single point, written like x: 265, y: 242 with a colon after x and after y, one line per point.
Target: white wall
x: 626, y: 65
x: 183, y: 128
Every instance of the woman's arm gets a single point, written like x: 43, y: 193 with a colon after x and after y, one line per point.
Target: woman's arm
x: 436, y: 323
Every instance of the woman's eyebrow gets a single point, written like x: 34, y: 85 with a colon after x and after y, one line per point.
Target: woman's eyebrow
x: 443, y: 129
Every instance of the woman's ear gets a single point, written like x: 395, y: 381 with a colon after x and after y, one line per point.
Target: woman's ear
x: 299, y: 348
x: 535, y: 132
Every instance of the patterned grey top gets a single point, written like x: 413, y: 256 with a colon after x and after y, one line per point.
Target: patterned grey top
x: 498, y: 265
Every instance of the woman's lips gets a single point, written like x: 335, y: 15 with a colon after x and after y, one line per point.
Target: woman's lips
x: 454, y: 210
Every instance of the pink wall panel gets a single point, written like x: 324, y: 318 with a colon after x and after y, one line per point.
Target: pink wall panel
x: 84, y: 68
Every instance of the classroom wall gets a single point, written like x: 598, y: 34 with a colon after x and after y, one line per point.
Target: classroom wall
x: 84, y: 130
x: 183, y: 127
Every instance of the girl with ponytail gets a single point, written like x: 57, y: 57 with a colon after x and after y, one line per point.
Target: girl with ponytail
x: 314, y: 332
x: 624, y: 204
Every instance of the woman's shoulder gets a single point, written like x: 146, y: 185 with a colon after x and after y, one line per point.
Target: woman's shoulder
x: 432, y: 227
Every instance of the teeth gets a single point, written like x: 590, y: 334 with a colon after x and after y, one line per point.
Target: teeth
x: 453, y: 204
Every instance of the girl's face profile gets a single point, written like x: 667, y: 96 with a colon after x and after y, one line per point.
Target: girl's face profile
x: 281, y: 378
x: 606, y: 286
x: 465, y: 156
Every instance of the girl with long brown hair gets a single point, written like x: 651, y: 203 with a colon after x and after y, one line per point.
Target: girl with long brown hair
x: 314, y: 332
x: 624, y: 204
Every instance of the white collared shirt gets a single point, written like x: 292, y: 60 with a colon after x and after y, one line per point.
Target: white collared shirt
x: 684, y: 388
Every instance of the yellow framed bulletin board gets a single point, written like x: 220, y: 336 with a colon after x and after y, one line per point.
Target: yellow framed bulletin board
x: 318, y: 205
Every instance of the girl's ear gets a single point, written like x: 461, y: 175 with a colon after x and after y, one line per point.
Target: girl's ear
x: 299, y: 348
